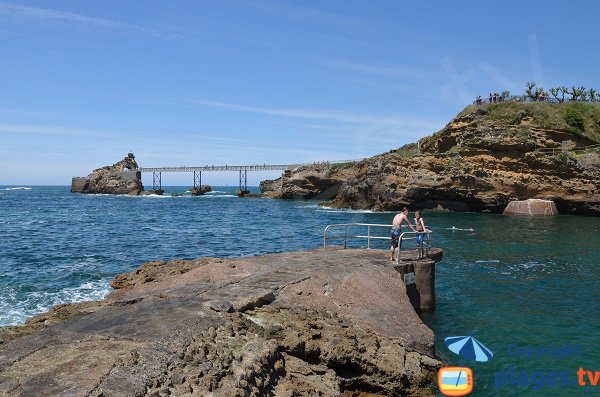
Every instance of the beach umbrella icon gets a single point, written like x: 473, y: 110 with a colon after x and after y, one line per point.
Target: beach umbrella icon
x: 468, y: 347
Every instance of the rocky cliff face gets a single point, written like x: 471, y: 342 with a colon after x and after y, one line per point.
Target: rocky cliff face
x: 480, y: 161
x: 304, y: 182
x: 120, y: 178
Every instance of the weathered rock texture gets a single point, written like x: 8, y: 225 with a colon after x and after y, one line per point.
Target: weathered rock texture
x: 531, y: 207
x: 120, y: 178
x: 478, y: 162
x: 335, y: 323
x: 199, y: 191
x: 305, y: 182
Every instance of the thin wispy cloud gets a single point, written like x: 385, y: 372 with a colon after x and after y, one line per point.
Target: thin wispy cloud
x: 333, y: 116
x: 46, y: 14
x: 458, y: 82
x: 293, y: 11
x: 33, y: 129
x: 498, y: 77
x: 373, y: 69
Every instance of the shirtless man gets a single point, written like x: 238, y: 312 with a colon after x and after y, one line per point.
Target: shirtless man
x: 396, y: 226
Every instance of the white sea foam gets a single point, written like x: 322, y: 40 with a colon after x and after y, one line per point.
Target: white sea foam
x: 530, y: 265
x: 488, y: 261
x: 14, y: 311
x: 459, y: 229
x: 161, y: 229
x: 96, y: 195
x: 217, y: 195
x: 324, y: 208
x: 17, y: 188
x: 35, y: 222
x: 350, y: 211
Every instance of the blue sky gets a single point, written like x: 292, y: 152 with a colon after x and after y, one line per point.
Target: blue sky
x: 245, y: 82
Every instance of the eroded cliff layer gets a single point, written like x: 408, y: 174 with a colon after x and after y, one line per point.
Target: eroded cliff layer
x: 483, y: 159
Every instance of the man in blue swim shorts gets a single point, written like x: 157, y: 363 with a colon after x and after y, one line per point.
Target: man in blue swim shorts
x: 396, y: 230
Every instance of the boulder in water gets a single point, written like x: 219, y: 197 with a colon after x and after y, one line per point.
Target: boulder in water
x: 200, y: 190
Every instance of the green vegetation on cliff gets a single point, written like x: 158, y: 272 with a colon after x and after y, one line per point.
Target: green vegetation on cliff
x: 578, y: 118
x: 486, y: 157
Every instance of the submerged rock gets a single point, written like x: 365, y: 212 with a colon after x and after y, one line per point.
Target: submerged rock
x: 120, y: 178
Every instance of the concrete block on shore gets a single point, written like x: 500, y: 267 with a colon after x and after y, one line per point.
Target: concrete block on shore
x: 419, y: 277
x: 531, y: 207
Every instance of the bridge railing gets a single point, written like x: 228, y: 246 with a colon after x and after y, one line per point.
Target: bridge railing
x: 251, y: 167
x: 528, y: 99
x: 256, y: 167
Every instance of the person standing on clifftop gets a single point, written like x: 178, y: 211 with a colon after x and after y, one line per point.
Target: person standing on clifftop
x: 396, y: 226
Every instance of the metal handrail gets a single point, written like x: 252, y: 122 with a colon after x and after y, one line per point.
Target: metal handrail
x: 345, y: 237
x: 574, y: 149
x: 423, y: 250
x: 369, y: 237
x: 485, y: 100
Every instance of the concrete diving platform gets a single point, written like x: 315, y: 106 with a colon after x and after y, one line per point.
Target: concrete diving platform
x: 418, y: 273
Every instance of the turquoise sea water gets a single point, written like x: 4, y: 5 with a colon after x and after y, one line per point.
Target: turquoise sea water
x: 524, y: 282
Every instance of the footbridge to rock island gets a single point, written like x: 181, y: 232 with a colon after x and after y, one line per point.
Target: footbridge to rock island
x: 241, y: 169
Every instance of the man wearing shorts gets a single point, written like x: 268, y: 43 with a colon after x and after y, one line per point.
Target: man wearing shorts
x: 396, y: 230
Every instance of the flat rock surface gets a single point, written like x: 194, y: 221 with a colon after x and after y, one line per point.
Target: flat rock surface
x: 333, y: 322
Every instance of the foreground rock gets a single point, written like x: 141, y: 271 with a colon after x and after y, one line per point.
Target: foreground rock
x: 120, y: 178
x: 199, y: 191
x: 531, y: 207
x: 482, y: 160
x: 335, y: 323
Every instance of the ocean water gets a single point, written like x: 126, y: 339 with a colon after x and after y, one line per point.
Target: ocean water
x: 516, y: 284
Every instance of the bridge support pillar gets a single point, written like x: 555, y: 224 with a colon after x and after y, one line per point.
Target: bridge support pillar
x: 243, y: 183
x: 157, y: 180
x: 197, y: 179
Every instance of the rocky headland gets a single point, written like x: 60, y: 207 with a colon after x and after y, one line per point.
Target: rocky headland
x: 486, y: 157
x: 122, y: 177
x: 326, y: 323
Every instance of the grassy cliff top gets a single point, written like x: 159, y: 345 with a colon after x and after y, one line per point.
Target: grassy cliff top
x: 578, y: 118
